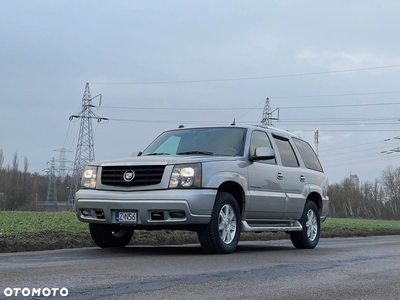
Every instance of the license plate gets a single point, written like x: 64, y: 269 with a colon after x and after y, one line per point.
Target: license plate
x: 126, y: 216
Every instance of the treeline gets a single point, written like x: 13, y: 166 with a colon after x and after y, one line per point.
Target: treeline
x: 22, y: 190
x: 378, y: 200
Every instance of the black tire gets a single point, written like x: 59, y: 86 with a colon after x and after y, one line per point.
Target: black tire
x: 310, y: 220
x: 110, y: 236
x: 224, y: 240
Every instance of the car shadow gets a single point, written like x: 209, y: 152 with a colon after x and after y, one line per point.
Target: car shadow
x: 190, y: 249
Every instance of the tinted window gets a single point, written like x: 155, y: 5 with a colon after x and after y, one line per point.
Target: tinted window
x: 169, y: 146
x: 260, y: 139
x: 286, y: 152
x: 224, y: 141
x: 308, y: 155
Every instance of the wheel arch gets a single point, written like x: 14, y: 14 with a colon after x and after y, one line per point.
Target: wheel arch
x: 236, y: 190
x: 317, y: 199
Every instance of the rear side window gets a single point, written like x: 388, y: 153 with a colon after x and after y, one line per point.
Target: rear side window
x: 308, y: 155
x: 286, y: 152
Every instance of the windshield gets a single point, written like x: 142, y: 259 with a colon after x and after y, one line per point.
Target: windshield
x: 225, y: 141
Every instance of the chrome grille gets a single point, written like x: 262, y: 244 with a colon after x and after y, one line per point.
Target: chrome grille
x: 144, y: 175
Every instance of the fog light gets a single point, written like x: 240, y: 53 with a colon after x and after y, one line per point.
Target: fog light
x: 157, y: 216
x: 86, y: 212
x: 177, y: 214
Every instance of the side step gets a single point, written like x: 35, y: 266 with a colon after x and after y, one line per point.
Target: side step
x: 293, y: 226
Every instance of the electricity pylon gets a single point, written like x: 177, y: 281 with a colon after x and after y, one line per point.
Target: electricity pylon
x: 62, y: 168
x: 267, y: 114
x: 52, y: 189
x: 85, y: 146
x: 316, y: 141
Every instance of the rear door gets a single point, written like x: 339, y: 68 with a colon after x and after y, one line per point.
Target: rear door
x: 295, y: 178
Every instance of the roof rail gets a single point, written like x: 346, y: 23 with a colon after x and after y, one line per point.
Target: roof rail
x: 277, y: 129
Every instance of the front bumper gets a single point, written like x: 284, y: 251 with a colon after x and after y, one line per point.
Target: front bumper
x: 153, y: 208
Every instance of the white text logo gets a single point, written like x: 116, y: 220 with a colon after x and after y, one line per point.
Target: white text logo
x: 39, y: 292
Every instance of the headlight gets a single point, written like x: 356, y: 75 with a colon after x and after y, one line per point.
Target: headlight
x: 186, y: 176
x: 89, y: 178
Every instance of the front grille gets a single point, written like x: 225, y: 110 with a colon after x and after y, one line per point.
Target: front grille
x: 144, y: 175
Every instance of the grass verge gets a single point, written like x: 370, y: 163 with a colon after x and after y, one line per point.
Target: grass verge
x: 32, y: 231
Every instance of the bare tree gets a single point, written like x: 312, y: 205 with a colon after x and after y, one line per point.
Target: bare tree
x: 391, y: 183
x: 26, y: 165
x: 22, y: 190
x: 15, y: 162
x: 1, y: 159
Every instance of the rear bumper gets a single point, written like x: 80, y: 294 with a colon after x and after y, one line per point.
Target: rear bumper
x: 153, y: 208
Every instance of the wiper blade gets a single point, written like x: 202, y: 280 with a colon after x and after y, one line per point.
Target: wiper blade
x: 195, y: 152
x: 157, y: 153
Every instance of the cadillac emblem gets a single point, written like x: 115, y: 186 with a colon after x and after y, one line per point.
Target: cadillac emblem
x: 129, y: 175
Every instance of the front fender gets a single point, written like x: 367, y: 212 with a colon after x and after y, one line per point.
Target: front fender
x: 217, y: 179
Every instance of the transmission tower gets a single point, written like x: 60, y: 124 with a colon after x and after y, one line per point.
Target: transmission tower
x: 62, y: 169
x: 85, y: 146
x: 316, y: 141
x: 52, y: 189
x: 267, y: 114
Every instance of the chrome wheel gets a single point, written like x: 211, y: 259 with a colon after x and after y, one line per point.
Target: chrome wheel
x: 222, y: 234
x: 227, y: 224
x: 311, y: 225
x: 308, y: 237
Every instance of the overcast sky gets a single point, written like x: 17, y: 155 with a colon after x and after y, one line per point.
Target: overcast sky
x: 331, y: 66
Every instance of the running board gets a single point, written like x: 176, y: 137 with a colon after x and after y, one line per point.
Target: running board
x: 295, y: 226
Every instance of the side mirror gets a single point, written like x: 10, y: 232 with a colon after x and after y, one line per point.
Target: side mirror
x: 262, y: 153
x: 137, y: 153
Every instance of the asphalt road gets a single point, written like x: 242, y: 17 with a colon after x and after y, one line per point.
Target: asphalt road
x: 339, y: 268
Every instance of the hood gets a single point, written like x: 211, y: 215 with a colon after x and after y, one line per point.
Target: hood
x: 163, y: 160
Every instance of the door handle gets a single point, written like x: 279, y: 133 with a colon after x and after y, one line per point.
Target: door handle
x: 302, y: 178
x: 279, y: 176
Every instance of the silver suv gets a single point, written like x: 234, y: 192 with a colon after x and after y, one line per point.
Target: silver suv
x: 217, y: 181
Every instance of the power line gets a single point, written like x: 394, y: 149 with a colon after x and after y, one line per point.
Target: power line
x: 177, y: 108
x: 343, y: 124
x: 339, y: 159
x: 195, y: 122
x: 340, y: 120
x: 338, y: 164
x: 248, y: 78
x: 341, y: 105
x: 338, y: 154
x: 364, y: 122
x: 352, y: 158
x: 168, y: 121
x: 337, y: 95
x: 354, y: 146
x: 347, y: 130
x: 251, y: 108
x: 292, y: 121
